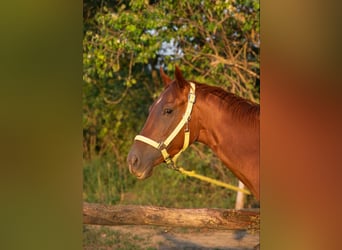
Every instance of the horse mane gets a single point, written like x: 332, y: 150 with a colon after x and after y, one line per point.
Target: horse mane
x: 241, y: 108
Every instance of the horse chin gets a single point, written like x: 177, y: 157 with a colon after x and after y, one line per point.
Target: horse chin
x: 144, y: 175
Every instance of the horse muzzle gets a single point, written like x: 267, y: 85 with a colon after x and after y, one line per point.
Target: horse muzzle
x: 135, y: 167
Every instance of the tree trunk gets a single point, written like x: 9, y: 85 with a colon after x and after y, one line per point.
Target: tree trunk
x: 174, y: 217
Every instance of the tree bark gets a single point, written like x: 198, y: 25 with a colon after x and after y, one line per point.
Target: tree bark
x: 174, y: 217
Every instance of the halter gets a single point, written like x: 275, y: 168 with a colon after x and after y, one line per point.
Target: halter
x: 162, y: 146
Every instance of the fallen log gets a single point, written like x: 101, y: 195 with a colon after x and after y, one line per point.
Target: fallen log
x: 100, y: 214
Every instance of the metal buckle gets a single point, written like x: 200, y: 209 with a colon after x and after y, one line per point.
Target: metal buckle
x: 192, y: 97
x: 161, y: 146
x: 187, y: 125
x: 172, y: 165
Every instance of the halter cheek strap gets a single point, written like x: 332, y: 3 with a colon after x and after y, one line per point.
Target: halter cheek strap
x: 162, y: 146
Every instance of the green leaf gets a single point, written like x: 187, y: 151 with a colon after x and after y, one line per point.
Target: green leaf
x: 116, y: 67
x: 131, y: 28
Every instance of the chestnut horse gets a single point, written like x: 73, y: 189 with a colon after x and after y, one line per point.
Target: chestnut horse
x: 188, y: 111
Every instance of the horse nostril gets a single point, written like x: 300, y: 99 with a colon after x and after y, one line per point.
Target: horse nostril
x: 133, y: 162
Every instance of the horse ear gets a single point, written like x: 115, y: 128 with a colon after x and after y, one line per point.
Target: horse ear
x: 179, y: 78
x: 166, y: 80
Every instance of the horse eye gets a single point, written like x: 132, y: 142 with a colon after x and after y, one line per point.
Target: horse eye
x: 167, y: 111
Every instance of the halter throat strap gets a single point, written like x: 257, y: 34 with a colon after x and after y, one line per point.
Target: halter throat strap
x: 162, y: 146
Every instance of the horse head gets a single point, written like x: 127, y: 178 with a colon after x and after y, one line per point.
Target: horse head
x: 162, y: 137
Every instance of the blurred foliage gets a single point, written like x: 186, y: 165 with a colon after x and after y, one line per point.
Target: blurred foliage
x: 125, y: 43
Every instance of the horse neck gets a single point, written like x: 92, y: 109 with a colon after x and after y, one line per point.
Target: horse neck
x: 234, y: 141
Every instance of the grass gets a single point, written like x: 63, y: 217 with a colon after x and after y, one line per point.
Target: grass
x: 105, y: 181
